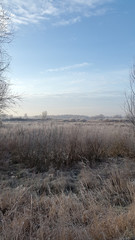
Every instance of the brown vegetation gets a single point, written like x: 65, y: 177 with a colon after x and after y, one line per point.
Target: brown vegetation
x: 67, y: 181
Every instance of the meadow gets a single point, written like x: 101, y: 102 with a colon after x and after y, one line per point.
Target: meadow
x: 67, y: 180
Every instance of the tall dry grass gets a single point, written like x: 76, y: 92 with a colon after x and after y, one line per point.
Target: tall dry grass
x: 97, y: 207
x: 50, y: 145
x: 66, y: 182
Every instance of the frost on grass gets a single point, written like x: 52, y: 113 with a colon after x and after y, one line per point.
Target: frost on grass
x: 67, y: 182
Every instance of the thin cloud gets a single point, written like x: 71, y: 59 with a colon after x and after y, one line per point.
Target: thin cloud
x: 64, y: 22
x: 80, y: 95
x: 58, y: 12
x: 70, y: 67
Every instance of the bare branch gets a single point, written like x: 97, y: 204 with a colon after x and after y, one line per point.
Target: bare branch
x: 130, y: 99
x: 7, y: 98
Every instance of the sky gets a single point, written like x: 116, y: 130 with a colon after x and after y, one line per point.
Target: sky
x: 71, y: 56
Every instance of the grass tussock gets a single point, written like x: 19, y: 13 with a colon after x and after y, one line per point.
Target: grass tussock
x: 36, y: 210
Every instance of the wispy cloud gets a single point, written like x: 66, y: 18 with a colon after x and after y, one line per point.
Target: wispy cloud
x: 95, y: 83
x: 58, y: 12
x: 70, y: 67
x: 70, y: 21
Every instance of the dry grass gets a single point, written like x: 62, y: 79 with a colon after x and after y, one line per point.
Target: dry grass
x: 67, y: 182
x: 64, y: 145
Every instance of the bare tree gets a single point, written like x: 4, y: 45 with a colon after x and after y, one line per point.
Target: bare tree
x: 5, y: 27
x: 130, y: 99
x: 6, y: 97
x: 44, y: 115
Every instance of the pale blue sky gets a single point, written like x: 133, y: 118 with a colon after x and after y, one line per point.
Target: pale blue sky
x: 72, y: 56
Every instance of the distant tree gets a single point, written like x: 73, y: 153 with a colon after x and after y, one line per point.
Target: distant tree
x: 6, y: 96
x: 26, y: 116
x: 117, y: 116
x: 130, y: 99
x: 44, y: 115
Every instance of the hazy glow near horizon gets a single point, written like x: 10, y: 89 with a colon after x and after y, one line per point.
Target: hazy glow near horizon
x: 71, y: 57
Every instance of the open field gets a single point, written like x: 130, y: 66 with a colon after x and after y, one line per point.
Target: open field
x: 67, y: 181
